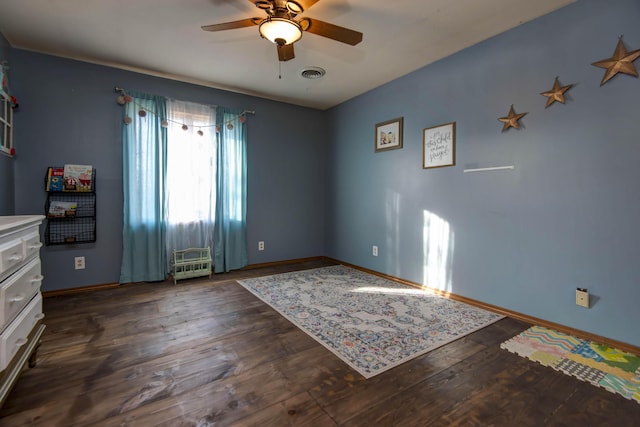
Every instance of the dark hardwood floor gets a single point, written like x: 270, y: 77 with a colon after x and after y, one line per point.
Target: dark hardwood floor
x: 209, y: 353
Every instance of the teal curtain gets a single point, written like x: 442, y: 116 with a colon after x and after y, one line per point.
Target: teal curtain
x: 230, y: 233
x: 144, y: 170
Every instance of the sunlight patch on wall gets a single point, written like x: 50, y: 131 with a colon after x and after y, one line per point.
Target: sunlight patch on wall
x: 438, y: 242
x: 393, y: 229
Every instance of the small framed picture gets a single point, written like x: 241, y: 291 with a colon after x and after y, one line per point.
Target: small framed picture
x: 439, y: 146
x: 389, y: 135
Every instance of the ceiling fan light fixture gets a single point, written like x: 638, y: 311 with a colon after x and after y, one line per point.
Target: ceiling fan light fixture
x: 280, y: 31
x: 263, y: 4
x: 294, y: 7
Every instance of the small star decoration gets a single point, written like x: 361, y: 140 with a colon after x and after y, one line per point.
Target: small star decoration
x: 620, y: 62
x: 556, y: 94
x: 511, y: 121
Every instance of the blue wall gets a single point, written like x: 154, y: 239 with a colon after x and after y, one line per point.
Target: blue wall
x: 6, y: 162
x: 565, y: 217
x: 68, y: 114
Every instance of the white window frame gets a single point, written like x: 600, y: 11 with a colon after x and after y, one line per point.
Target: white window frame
x: 6, y: 124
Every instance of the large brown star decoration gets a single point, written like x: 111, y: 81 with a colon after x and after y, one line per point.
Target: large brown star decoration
x: 511, y: 121
x: 620, y: 62
x: 556, y: 94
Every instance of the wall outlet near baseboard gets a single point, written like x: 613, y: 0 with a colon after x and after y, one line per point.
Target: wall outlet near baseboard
x: 78, y: 262
x: 374, y: 250
x: 261, y: 245
x: 582, y: 297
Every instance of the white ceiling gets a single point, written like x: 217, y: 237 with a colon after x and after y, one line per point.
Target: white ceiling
x: 163, y: 38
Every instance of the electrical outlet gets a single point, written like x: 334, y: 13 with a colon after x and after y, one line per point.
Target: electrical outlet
x: 375, y: 250
x: 582, y: 297
x: 261, y: 245
x: 79, y: 262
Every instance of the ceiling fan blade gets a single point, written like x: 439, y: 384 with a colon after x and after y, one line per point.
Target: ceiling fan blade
x: 333, y: 32
x: 285, y: 52
x: 232, y: 25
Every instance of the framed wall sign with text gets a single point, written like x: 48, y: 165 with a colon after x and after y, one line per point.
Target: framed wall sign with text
x: 439, y: 146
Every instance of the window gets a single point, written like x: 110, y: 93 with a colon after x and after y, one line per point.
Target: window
x: 6, y: 124
x: 191, y: 163
x: 191, y: 176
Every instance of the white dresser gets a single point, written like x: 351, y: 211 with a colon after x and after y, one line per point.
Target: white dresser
x: 20, y: 298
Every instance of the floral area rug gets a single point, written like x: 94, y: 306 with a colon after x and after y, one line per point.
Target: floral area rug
x: 371, y: 323
x: 602, y: 366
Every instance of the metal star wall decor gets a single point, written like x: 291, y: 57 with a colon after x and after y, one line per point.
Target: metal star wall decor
x: 511, y: 121
x: 557, y: 93
x: 620, y: 62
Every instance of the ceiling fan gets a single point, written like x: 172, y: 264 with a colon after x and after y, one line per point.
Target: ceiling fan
x: 281, y: 27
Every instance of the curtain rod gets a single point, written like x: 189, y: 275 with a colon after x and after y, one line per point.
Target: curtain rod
x: 122, y: 92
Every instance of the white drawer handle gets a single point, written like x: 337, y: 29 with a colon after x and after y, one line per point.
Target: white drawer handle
x: 39, y: 316
x: 17, y: 298
x: 37, y: 278
x: 15, y: 257
x: 20, y: 342
x: 36, y: 246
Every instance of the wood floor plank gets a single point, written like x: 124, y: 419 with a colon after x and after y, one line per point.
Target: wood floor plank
x: 209, y: 353
x: 300, y: 411
x: 534, y: 395
x: 343, y: 399
x: 224, y: 401
x: 426, y: 401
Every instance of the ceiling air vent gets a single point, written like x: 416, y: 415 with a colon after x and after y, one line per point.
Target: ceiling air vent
x: 312, y: 73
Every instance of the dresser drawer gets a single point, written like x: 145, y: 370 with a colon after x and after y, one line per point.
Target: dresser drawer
x: 15, y: 335
x: 32, y: 244
x: 18, y: 289
x: 11, y: 254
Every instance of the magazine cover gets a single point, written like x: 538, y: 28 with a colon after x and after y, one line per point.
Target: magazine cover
x: 77, y: 177
x: 61, y: 209
x: 55, y: 179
